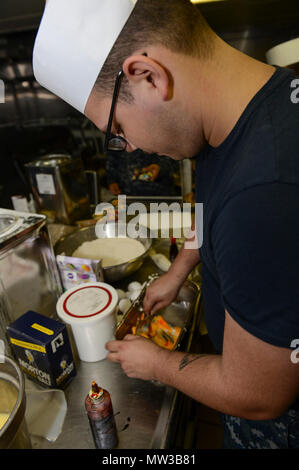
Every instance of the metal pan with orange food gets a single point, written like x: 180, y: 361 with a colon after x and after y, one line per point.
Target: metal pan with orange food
x: 167, y: 327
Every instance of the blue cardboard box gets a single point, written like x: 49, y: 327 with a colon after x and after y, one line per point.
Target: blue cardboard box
x: 43, y: 349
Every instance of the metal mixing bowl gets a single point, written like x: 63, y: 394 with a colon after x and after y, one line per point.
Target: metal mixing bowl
x: 67, y: 245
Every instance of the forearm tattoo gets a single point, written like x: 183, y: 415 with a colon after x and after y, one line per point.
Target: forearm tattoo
x: 188, y: 359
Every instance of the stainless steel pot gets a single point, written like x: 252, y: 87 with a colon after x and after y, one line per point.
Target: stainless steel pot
x: 14, y: 433
x: 67, y: 245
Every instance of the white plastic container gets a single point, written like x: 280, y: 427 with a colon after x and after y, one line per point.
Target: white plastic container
x: 90, y: 310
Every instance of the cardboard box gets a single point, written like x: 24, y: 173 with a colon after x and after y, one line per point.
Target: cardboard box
x: 43, y: 350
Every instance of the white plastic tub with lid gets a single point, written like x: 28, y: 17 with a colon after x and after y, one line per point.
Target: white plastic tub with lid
x: 90, y: 310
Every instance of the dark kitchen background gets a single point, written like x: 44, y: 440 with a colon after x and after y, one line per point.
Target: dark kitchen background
x: 34, y: 122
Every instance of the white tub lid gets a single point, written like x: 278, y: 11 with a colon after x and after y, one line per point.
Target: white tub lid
x: 87, y: 302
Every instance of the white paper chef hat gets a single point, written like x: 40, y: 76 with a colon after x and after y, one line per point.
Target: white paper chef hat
x: 284, y: 54
x: 73, y: 42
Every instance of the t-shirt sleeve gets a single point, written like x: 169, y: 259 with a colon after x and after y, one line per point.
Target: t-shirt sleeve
x: 255, y: 242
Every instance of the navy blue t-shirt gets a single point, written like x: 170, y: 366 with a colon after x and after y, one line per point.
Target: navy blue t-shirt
x: 250, y: 189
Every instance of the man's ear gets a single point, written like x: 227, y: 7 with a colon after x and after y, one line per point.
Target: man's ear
x: 139, y: 67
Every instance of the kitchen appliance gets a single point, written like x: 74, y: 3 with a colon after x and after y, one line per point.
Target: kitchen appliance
x: 29, y: 278
x: 59, y: 187
x: 93, y: 183
x: 13, y: 429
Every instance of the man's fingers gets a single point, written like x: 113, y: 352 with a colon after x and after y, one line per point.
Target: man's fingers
x: 148, y: 303
x: 157, y: 307
x: 113, y: 357
x: 113, y: 346
x: 130, y: 338
x: 152, y: 306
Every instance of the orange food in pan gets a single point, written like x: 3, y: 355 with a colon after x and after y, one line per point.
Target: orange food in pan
x: 158, y: 330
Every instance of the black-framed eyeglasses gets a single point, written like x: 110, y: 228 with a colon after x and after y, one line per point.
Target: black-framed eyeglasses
x: 114, y: 143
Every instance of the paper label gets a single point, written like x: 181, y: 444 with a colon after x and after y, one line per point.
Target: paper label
x: 41, y: 328
x: 45, y: 184
x: 24, y: 344
x: 75, y: 271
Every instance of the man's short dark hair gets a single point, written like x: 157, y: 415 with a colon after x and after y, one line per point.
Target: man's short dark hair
x: 175, y: 24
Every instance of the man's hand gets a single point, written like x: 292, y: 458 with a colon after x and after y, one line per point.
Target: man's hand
x: 114, y: 189
x: 164, y: 290
x: 161, y: 293
x: 137, y: 356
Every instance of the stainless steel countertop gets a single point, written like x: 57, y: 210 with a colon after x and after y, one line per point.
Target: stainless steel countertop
x: 136, y: 403
x: 143, y: 410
